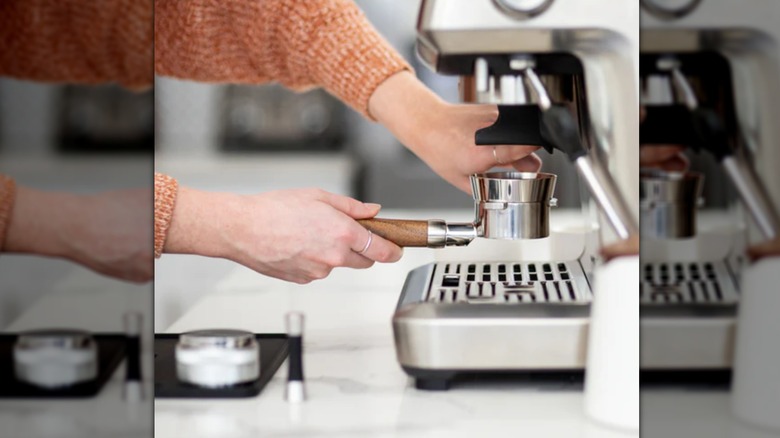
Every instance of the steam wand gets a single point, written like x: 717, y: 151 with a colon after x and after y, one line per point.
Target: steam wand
x: 712, y: 134
x: 559, y: 128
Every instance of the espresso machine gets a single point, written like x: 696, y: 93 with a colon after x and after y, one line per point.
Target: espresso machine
x: 564, y: 76
x: 709, y: 75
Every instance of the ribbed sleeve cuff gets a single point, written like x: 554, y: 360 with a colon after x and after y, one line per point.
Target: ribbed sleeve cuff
x: 165, y: 189
x: 7, y: 196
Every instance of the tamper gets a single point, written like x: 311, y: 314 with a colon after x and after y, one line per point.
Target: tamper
x: 296, y: 390
x: 55, y: 358
x: 217, y: 358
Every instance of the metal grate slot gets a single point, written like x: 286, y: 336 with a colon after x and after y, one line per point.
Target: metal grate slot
x: 708, y: 283
x: 570, y: 287
x: 502, y: 283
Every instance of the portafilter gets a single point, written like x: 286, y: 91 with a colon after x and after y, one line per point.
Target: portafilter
x: 507, y: 205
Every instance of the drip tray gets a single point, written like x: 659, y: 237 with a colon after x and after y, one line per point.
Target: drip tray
x: 688, y: 320
x: 510, y: 318
x: 273, y: 351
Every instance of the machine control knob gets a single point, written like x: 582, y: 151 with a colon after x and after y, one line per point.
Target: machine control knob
x: 524, y: 8
x: 670, y: 9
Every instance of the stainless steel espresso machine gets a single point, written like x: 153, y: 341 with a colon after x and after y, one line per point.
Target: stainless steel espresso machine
x: 709, y: 72
x: 564, y: 75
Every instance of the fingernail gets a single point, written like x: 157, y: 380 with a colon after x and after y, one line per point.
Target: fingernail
x: 373, y: 206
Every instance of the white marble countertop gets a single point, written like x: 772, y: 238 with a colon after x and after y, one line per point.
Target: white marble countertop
x: 355, y: 385
x: 81, y: 299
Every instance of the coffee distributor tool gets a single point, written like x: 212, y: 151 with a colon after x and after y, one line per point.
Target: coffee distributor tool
x: 557, y: 69
x: 707, y: 87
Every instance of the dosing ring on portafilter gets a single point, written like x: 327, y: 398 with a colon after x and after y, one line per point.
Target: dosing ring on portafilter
x: 513, y: 205
x: 668, y: 201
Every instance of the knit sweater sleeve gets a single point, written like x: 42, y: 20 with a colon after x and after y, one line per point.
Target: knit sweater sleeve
x: 7, y: 195
x: 165, y: 190
x: 299, y: 43
x: 78, y: 41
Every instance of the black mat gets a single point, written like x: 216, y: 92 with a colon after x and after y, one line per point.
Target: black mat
x: 111, y: 351
x: 273, y: 351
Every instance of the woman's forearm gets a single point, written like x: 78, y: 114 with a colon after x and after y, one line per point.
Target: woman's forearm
x: 41, y: 222
x: 299, y: 43
x: 404, y: 105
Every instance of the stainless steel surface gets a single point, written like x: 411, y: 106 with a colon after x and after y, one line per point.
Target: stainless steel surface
x: 608, y: 197
x: 220, y: 338
x: 513, y: 221
x: 602, y: 35
x: 745, y: 34
x: 670, y: 9
x: 56, y: 338
x: 507, y: 205
x: 513, y: 205
x: 688, y: 315
x: 600, y: 183
x: 536, y: 312
x: 689, y: 322
x: 55, y: 358
x: 681, y: 85
x: 539, y: 319
x: 513, y: 187
x: 293, y: 322
x: 507, y: 283
x: 540, y: 92
x: 753, y: 195
x: 669, y: 204
x: 524, y: 8
x: 295, y: 391
x: 657, y: 90
x: 217, y: 358
x: 459, y: 234
x: 741, y: 173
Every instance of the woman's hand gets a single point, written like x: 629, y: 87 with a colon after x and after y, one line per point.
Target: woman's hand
x: 295, y: 235
x: 110, y: 233
x: 442, y: 134
x: 664, y: 157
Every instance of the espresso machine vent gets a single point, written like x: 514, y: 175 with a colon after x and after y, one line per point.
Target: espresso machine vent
x: 705, y: 283
x: 508, y: 283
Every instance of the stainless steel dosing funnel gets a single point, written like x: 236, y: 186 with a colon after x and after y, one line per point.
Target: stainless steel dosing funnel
x: 507, y: 205
x: 668, y: 202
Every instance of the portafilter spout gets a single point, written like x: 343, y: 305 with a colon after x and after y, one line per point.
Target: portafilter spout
x: 507, y: 205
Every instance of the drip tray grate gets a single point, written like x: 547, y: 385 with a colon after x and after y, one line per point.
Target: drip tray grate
x: 687, y: 283
x: 500, y: 283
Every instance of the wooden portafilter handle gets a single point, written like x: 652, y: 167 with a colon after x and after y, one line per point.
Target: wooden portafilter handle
x: 402, y: 232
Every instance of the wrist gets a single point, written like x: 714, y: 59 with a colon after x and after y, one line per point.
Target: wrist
x: 43, y: 223
x: 201, y: 223
x: 407, y: 108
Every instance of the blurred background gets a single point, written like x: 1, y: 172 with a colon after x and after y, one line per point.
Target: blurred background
x: 75, y: 139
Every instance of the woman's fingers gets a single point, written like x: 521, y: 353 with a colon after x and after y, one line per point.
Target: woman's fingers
x: 492, y: 156
x: 531, y: 163
x: 628, y: 247
x: 376, y: 248
x: 670, y: 158
x: 349, y: 206
x: 357, y: 261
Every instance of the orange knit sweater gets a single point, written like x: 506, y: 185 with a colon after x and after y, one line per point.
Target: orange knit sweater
x: 299, y: 43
